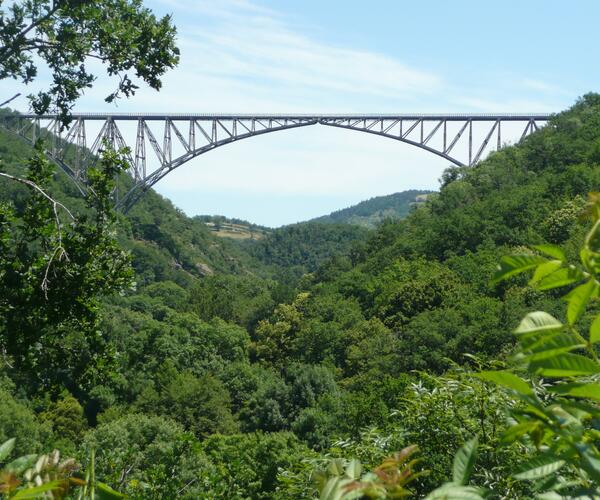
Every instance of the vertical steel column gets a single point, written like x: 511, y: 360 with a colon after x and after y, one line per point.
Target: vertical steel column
x: 140, y: 151
x: 110, y: 133
x: 470, y: 142
x: 167, y: 145
x: 54, y: 136
x: 499, y: 145
x: 445, y: 136
x: 36, y: 130
x: 81, y: 146
x: 192, y: 136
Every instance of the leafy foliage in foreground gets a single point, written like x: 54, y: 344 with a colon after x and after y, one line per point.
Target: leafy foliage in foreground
x: 47, y: 476
x: 54, y: 267
x: 558, y: 421
x: 64, y: 35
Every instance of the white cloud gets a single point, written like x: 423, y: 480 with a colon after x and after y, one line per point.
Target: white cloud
x: 250, y: 44
x: 544, y: 87
x: 287, y: 59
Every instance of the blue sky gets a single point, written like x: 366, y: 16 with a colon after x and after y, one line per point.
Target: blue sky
x: 350, y: 57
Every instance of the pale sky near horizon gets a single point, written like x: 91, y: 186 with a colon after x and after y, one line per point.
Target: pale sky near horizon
x: 350, y: 57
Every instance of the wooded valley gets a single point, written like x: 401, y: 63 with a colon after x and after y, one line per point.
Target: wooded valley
x: 290, y: 366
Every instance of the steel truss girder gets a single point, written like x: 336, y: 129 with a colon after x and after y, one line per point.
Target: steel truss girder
x: 428, y: 132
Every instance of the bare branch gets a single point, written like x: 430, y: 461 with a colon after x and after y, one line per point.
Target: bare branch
x: 190, y: 482
x: 40, y: 190
x: 59, y: 252
x: 5, y: 357
x: 9, y: 100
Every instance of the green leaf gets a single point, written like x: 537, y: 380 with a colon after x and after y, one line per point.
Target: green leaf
x: 511, y: 265
x: 538, y: 321
x: 353, y: 469
x: 592, y: 240
x: 595, y: 330
x: 538, y: 467
x: 581, y: 408
x: 578, y: 299
x: 332, y: 490
x: 551, y: 485
x: 549, y: 495
x: 335, y: 489
x: 578, y: 390
x: 552, y: 251
x: 518, y: 430
x: 336, y: 467
x: 105, y: 492
x: 590, y: 462
x: 550, y: 345
x: 37, y: 491
x: 562, y: 277
x: 6, y: 448
x: 565, y: 365
x: 21, y: 464
x: 542, y: 341
x: 506, y: 379
x: 544, y: 270
x: 464, y: 460
x: 451, y: 491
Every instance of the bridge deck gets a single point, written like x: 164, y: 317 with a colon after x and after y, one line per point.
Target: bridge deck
x: 304, y: 116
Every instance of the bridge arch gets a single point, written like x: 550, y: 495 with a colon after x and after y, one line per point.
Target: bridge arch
x: 435, y: 133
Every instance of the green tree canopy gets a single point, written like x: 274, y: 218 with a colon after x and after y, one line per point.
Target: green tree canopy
x: 64, y: 35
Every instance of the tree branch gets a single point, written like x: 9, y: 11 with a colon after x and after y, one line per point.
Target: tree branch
x: 40, y: 190
x: 59, y: 251
x: 9, y: 100
x: 10, y: 50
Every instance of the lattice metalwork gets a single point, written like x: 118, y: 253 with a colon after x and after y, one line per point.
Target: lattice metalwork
x: 460, y: 139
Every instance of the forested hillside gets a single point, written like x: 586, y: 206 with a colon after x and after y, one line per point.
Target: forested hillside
x: 222, y: 381
x: 301, y: 248
x: 371, y: 212
x: 164, y: 243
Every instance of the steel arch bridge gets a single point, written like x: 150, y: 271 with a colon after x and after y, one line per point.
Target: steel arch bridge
x: 186, y: 136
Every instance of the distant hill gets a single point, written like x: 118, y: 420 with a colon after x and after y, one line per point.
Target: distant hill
x: 303, y: 247
x: 371, y: 212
